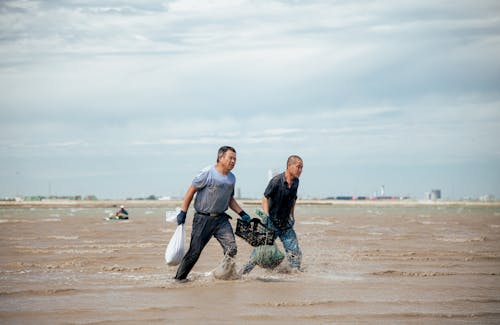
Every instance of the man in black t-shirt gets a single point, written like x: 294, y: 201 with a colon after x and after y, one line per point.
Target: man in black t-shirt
x: 278, y: 204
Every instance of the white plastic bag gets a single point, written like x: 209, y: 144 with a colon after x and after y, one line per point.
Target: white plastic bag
x: 171, y: 215
x: 175, y: 249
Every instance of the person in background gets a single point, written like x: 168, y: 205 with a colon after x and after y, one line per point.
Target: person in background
x: 214, y: 189
x: 122, y: 213
x: 278, y: 204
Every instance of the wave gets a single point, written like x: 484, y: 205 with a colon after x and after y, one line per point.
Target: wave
x: 306, y: 303
x: 432, y: 222
x: 461, y: 239
x: 63, y: 237
x: 30, y: 221
x: 431, y: 273
x: 321, y: 223
x: 400, y: 316
x: 13, y: 221
x: 412, y: 274
x: 117, y: 268
x: 344, y: 303
x: 165, y: 309
x: 41, y: 292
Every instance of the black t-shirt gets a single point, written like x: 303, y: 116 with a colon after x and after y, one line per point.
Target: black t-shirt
x: 281, y: 199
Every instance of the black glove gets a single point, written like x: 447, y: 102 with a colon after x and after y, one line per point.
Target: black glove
x: 181, y: 217
x: 244, y: 216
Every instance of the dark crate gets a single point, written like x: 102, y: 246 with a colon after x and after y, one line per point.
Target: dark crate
x: 254, y: 232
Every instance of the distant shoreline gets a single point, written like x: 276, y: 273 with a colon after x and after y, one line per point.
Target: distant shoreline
x: 176, y: 203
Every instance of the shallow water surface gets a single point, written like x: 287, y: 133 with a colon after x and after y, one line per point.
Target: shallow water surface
x: 366, y: 264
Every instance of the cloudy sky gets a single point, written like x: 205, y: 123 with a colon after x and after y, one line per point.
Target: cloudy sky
x: 129, y: 98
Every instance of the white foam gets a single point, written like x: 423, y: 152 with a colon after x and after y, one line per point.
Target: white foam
x: 461, y: 239
x: 433, y: 222
x: 64, y: 237
x: 339, y: 277
x: 51, y: 220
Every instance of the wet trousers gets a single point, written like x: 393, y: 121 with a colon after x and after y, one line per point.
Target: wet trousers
x: 204, y: 227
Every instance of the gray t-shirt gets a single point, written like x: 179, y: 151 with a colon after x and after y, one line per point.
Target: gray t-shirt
x: 214, y: 190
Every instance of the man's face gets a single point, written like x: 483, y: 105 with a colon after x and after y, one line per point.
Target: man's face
x: 295, y: 168
x: 228, y: 160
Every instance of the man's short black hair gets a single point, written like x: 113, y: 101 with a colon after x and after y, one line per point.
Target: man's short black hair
x: 292, y: 160
x: 223, y: 150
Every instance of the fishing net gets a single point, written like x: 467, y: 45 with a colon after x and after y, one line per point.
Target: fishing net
x: 260, y: 234
x: 267, y: 256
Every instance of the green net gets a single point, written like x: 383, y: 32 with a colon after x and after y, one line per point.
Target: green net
x: 267, y: 256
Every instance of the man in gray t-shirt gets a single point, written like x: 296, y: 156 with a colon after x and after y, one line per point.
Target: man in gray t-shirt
x: 214, y: 188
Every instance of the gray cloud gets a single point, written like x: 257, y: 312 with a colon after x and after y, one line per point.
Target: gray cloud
x: 380, y: 82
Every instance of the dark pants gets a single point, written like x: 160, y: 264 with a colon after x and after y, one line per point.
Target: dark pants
x: 204, y: 227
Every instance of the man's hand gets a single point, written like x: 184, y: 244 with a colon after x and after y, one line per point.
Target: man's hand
x: 181, y: 217
x: 244, y: 216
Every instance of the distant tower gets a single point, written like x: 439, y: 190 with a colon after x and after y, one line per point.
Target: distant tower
x: 238, y: 193
x: 435, y: 195
x: 382, y: 190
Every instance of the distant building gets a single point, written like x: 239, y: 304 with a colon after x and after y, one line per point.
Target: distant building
x: 487, y: 198
x: 434, y: 195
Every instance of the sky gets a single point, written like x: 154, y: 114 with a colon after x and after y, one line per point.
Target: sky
x: 120, y: 98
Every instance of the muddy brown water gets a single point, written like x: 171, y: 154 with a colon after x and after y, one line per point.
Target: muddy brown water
x: 361, y: 264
